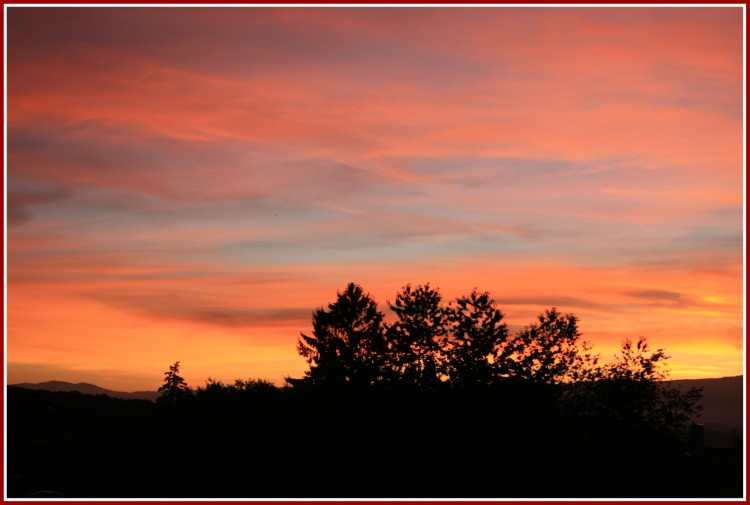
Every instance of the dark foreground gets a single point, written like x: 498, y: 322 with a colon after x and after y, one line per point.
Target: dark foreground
x: 510, y: 442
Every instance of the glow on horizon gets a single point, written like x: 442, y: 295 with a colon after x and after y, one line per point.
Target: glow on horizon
x: 190, y: 185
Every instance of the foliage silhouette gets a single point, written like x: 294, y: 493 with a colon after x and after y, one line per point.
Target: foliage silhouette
x: 479, y: 341
x: 631, y: 392
x: 637, y: 363
x: 347, y: 344
x: 382, y: 406
x: 416, y: 341
x: 174, y: 387
x: 545, y: 351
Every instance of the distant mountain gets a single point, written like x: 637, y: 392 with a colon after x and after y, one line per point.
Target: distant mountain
x: 723, y: 408
x: 89, y: 389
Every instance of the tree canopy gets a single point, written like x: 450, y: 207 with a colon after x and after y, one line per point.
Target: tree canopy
x: 479, y: 343
x: 347, y: 343
x: 545, y: 351
x: 416, y: 341
x: 463, y: 342
x: 466, y: 343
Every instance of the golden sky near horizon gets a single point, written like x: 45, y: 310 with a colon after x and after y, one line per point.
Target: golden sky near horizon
x: 191, y: 183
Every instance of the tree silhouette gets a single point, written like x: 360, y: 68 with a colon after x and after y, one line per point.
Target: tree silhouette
x: 633, y: 391
x: 478, y: 343
x: 174, y: 387
x: 416, y: 339
x: 467, y: 344
x: 546, y: 351
x: 347, y: 342
x: 549, y: 401
x: 637, y: 363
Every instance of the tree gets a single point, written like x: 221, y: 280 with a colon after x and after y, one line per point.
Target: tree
x: 347, y: 344
x: 174, y: 387
x: 478, y: 343
x: 633, y: 391
x: 547, y: 351
x: 637, y: 363
x: 416, y: 339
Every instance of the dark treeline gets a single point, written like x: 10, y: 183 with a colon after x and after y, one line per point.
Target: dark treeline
x: 442, y: 402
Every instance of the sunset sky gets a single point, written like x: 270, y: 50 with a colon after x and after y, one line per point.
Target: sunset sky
x: 191, y: 183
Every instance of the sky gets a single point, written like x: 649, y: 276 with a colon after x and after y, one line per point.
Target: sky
x: 192, y: 183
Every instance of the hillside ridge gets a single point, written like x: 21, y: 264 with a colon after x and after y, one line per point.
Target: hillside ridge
x: 87, y: 388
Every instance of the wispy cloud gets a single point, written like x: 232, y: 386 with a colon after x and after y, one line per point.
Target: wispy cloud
x: 197, y: 307
x: 21, y: 200
x: 656, y: 294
